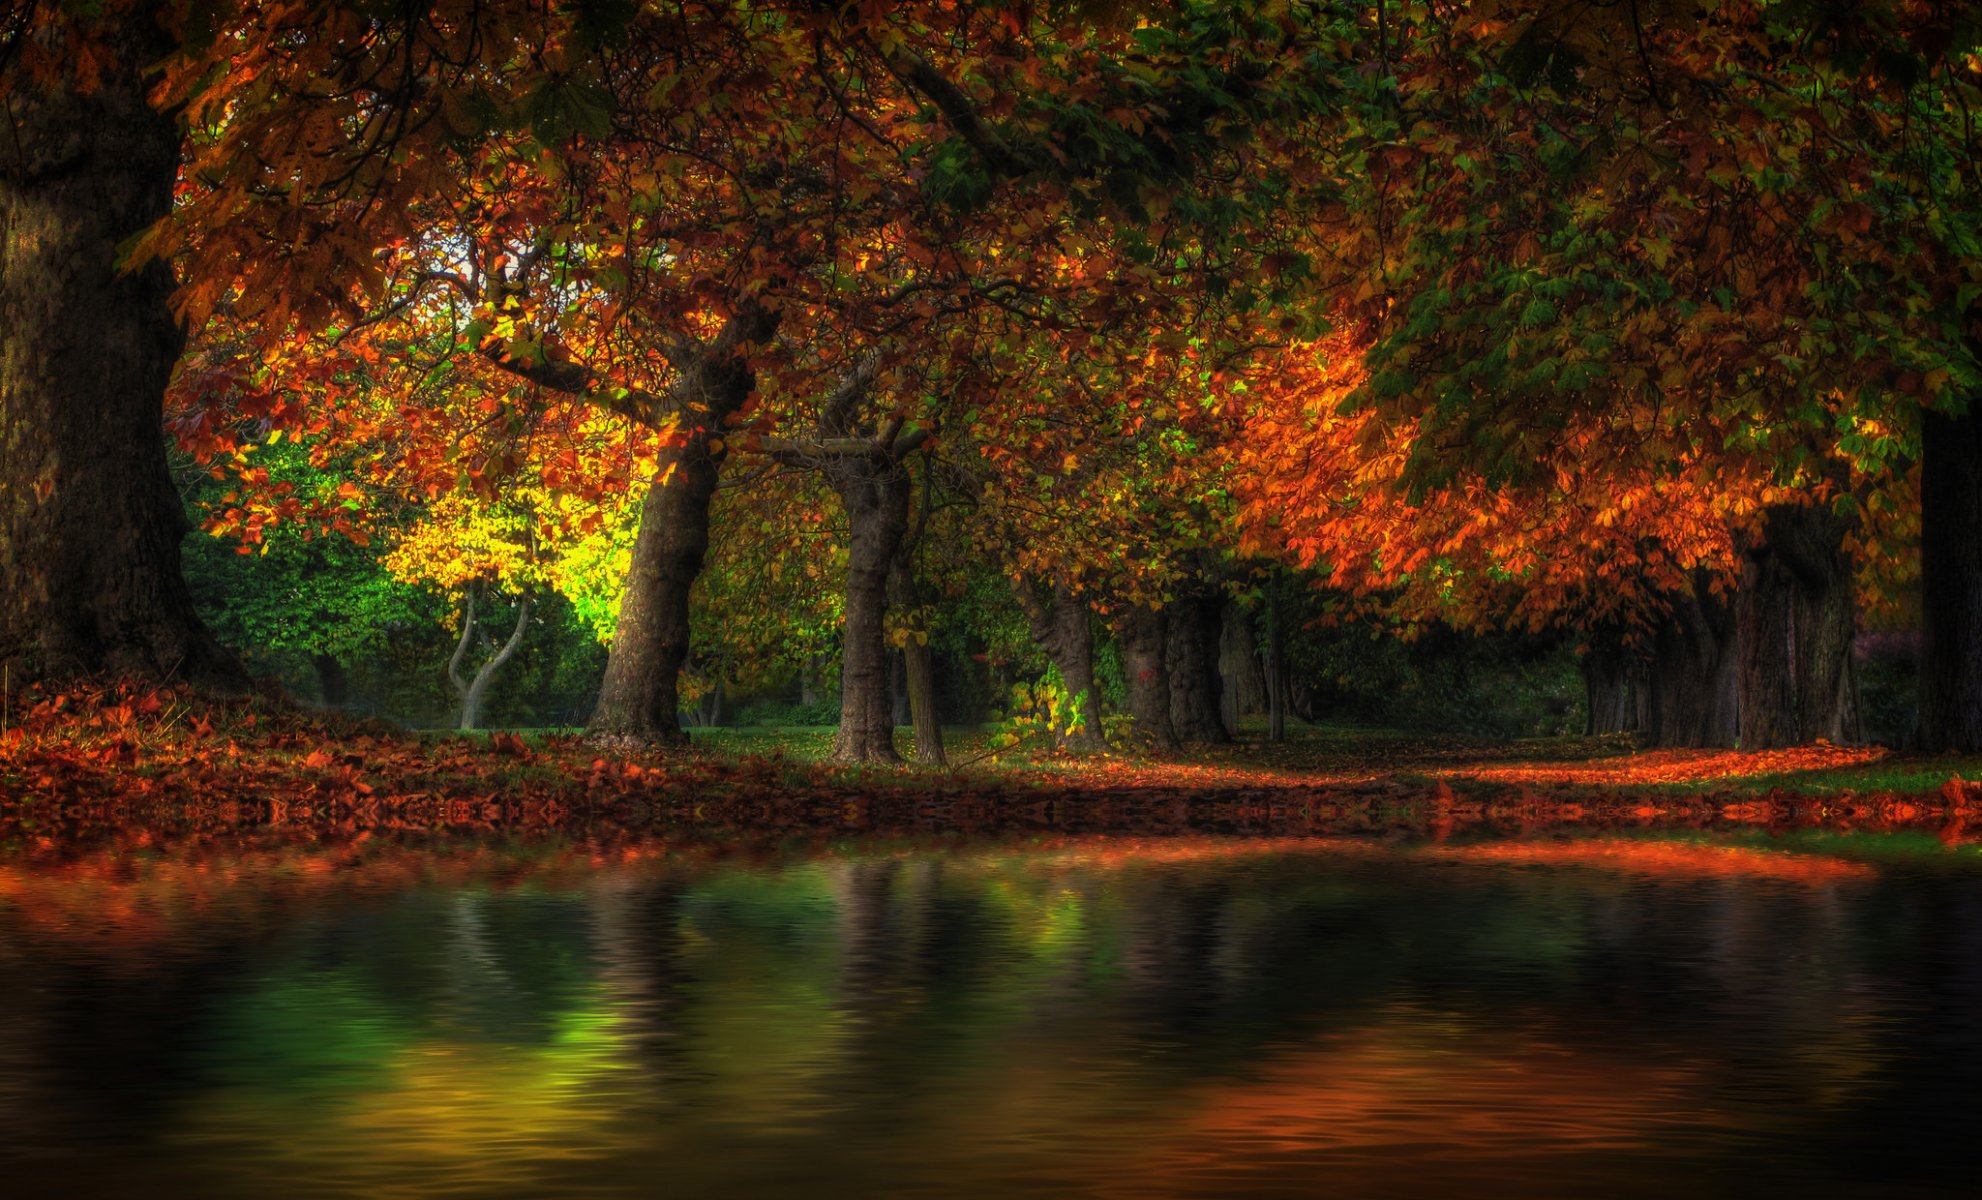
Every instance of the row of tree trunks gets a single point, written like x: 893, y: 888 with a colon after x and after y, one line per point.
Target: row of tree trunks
x: 90, y: 522
x: 1950, y: 715
x: 874, y: 491
x: 1063, y: 627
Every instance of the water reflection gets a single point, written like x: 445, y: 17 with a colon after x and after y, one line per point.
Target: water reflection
x: 211, y: 1008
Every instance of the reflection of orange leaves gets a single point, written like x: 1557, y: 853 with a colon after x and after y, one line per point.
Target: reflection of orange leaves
x: 1667, y: 860
x: 1420, y: 1083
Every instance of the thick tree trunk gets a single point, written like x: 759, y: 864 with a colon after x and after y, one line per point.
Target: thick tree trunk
x: 1693, y: 675
x: 1145, y: 663
x: 1766, y: 638
x: 1063, y: 628
x: 1193, y: 659
x: 1951, y: 582
x: 898, y: 706
x: 332, y: 682
x: 875, y: 493
x: 1826, y: 622
x: 1608, y: 685
x: 1798, y: 621
x: 920, y: 667
x: 1240, y: 665
x: 640, y: 698
x: 90, y: 522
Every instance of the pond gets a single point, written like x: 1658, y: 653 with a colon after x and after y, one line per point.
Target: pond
x: 238, y: 1008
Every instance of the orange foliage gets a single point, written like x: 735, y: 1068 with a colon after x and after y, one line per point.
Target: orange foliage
x: 1680, y: 766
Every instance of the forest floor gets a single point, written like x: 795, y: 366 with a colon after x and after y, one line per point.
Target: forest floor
x: 130, y: 746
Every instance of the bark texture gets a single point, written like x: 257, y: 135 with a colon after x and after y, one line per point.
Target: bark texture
x: 1277, y: 683
x: 1950, y: 717
x: 640, y: 697
x: 1240, y: 665
x: 90, y: 522
x: 1192, y: 651
x: 1145, y: 663
x: 1612, y: 682
x: 1798, y: 621
x: 874, y: 491
x: 1692, y: 677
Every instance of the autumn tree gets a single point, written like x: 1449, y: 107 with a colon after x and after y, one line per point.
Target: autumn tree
x: 90, y: 523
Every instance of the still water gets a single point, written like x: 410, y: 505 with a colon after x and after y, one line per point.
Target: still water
x: 561, y: 1013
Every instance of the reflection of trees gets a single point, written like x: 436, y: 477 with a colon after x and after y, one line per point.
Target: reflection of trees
x: 913, y: 1009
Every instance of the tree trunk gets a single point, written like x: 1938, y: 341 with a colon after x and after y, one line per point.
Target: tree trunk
x: 714, y: 706
x: 1239, y: 664
x: 1765, y: 637
x: 1798, y: 621
x: 920, y: 666
x: 640, y: 698
x: 473, y: 691
x: 332, y: 681
x: 90, y: 522
x: 1693, y: 675
x: 1950, y: 715
x: 1277, y: 683
x: 1826, y: 620
x: 1146, y: 666
x: 808, y: 681
x: 1608, y: 668
x: 1191, y: 651
x: 1063, y: 628
x: 875, y: 493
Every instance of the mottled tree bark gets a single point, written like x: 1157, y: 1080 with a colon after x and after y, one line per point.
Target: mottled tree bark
x: 90, y: 522
x: 874, y: 491
x: 1192, y: 652
x: 1144, y: 641
x: 1951, y: 582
